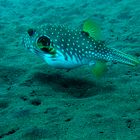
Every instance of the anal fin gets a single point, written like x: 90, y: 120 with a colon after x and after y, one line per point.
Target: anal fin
x: 99, y: 69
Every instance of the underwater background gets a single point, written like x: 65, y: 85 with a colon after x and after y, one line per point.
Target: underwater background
x: 38, y: 102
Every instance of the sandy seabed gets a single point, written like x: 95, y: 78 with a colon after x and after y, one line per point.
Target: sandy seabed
x: 38, y: 102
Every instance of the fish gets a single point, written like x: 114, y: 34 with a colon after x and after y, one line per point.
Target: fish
x: 67, y: 48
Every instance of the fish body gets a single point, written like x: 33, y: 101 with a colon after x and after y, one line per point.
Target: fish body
x: 63, y: 47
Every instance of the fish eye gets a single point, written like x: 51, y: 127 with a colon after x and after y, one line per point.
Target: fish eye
x: 43, y: 41
x: 44, y: 44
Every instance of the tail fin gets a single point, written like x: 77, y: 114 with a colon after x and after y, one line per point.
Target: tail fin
x: 118, y: 56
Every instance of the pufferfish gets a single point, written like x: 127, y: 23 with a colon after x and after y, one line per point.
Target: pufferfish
x: 66, y: 48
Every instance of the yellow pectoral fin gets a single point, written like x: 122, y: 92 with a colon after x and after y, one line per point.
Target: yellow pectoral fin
x: 47, y: 49
x: 40, y: 46
x: 99, y: 69
x: 92, y: 29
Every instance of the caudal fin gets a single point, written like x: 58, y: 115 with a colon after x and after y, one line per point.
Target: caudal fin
x: 124, y: 58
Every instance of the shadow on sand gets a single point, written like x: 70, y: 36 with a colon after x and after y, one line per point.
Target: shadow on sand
x: 75, y: 87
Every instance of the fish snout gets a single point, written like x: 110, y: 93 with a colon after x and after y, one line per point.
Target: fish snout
x: 31, y: 32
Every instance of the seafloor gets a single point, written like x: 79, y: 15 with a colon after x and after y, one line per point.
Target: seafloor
x: 38, y: 102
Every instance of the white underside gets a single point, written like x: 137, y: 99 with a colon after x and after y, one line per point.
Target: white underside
x: 60, y: 62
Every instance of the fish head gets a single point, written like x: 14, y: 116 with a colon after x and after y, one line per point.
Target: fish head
x: 41, y: 42
x: 51, y: 43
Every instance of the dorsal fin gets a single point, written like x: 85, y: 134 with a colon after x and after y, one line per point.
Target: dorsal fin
x: 92, y: 29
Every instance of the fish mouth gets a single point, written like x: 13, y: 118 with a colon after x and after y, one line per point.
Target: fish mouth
x: 44, y: 44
